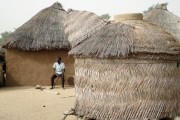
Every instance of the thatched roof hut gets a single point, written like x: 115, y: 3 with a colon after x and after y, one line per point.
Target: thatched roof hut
x: 128, y: 70
x: 44, y: 31
x: 33, y: 47
x: 80, y: 25
x: 162, y: 17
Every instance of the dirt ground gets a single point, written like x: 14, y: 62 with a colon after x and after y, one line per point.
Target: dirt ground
x: 28, y: 103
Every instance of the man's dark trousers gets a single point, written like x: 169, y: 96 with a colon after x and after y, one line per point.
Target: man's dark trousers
x: 55, y: 76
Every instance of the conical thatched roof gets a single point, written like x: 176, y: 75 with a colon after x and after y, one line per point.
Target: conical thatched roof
x: 128, y: 37
x: 43, y: 31
x: 162, y: 17
x: 80, y: 25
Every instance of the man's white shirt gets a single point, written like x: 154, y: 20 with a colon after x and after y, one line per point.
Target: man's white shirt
x: 59, y: 67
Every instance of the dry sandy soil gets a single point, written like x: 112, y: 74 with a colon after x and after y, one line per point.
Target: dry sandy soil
x: 28, y: 103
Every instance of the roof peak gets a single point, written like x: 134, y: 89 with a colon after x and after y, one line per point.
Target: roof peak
x: 69, y: 10
x: 57, y: 5
x: 162, y: 6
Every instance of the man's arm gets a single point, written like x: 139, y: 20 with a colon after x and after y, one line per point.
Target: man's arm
x: 63, y: 68
x: 54, y: 67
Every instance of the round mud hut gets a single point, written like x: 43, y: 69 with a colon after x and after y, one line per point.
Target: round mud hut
x: 162, y: 17
x: 80, y: 25
x: 32, y: 49
x: 128, y: 70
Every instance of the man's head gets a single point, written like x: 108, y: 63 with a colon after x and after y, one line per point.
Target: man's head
x: 58, y: 59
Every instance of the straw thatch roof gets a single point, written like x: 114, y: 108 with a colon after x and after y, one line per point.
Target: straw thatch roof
x: 122, y: 39
x: 43, y: 31
x: 2, y: 51
x: 80, y: 25
x: 162, y: 17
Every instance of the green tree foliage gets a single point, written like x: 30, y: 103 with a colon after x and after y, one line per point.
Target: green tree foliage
x: 154, y: 6
x: 106, y: 16
x: 4, y: 35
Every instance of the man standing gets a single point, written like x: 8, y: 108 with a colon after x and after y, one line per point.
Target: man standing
x: 59, y: 69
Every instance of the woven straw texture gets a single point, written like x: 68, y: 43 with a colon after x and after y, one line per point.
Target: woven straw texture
x: 126, y: 89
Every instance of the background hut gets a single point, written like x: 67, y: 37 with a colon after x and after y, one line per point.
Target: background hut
x: 2, y: 65
x: 162, y: 17
x: 128, y: 70
x: 32, y: 49
x: 80, y: 25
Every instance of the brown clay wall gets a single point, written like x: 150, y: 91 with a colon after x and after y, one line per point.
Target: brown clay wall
x: 32, y: 68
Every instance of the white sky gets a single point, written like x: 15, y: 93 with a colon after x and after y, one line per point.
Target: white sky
x: 14, y: 13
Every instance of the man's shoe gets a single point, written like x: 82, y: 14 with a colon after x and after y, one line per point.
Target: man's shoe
x: 51, y: 88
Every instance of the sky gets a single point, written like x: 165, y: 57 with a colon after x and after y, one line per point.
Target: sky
x: 14, y: 13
